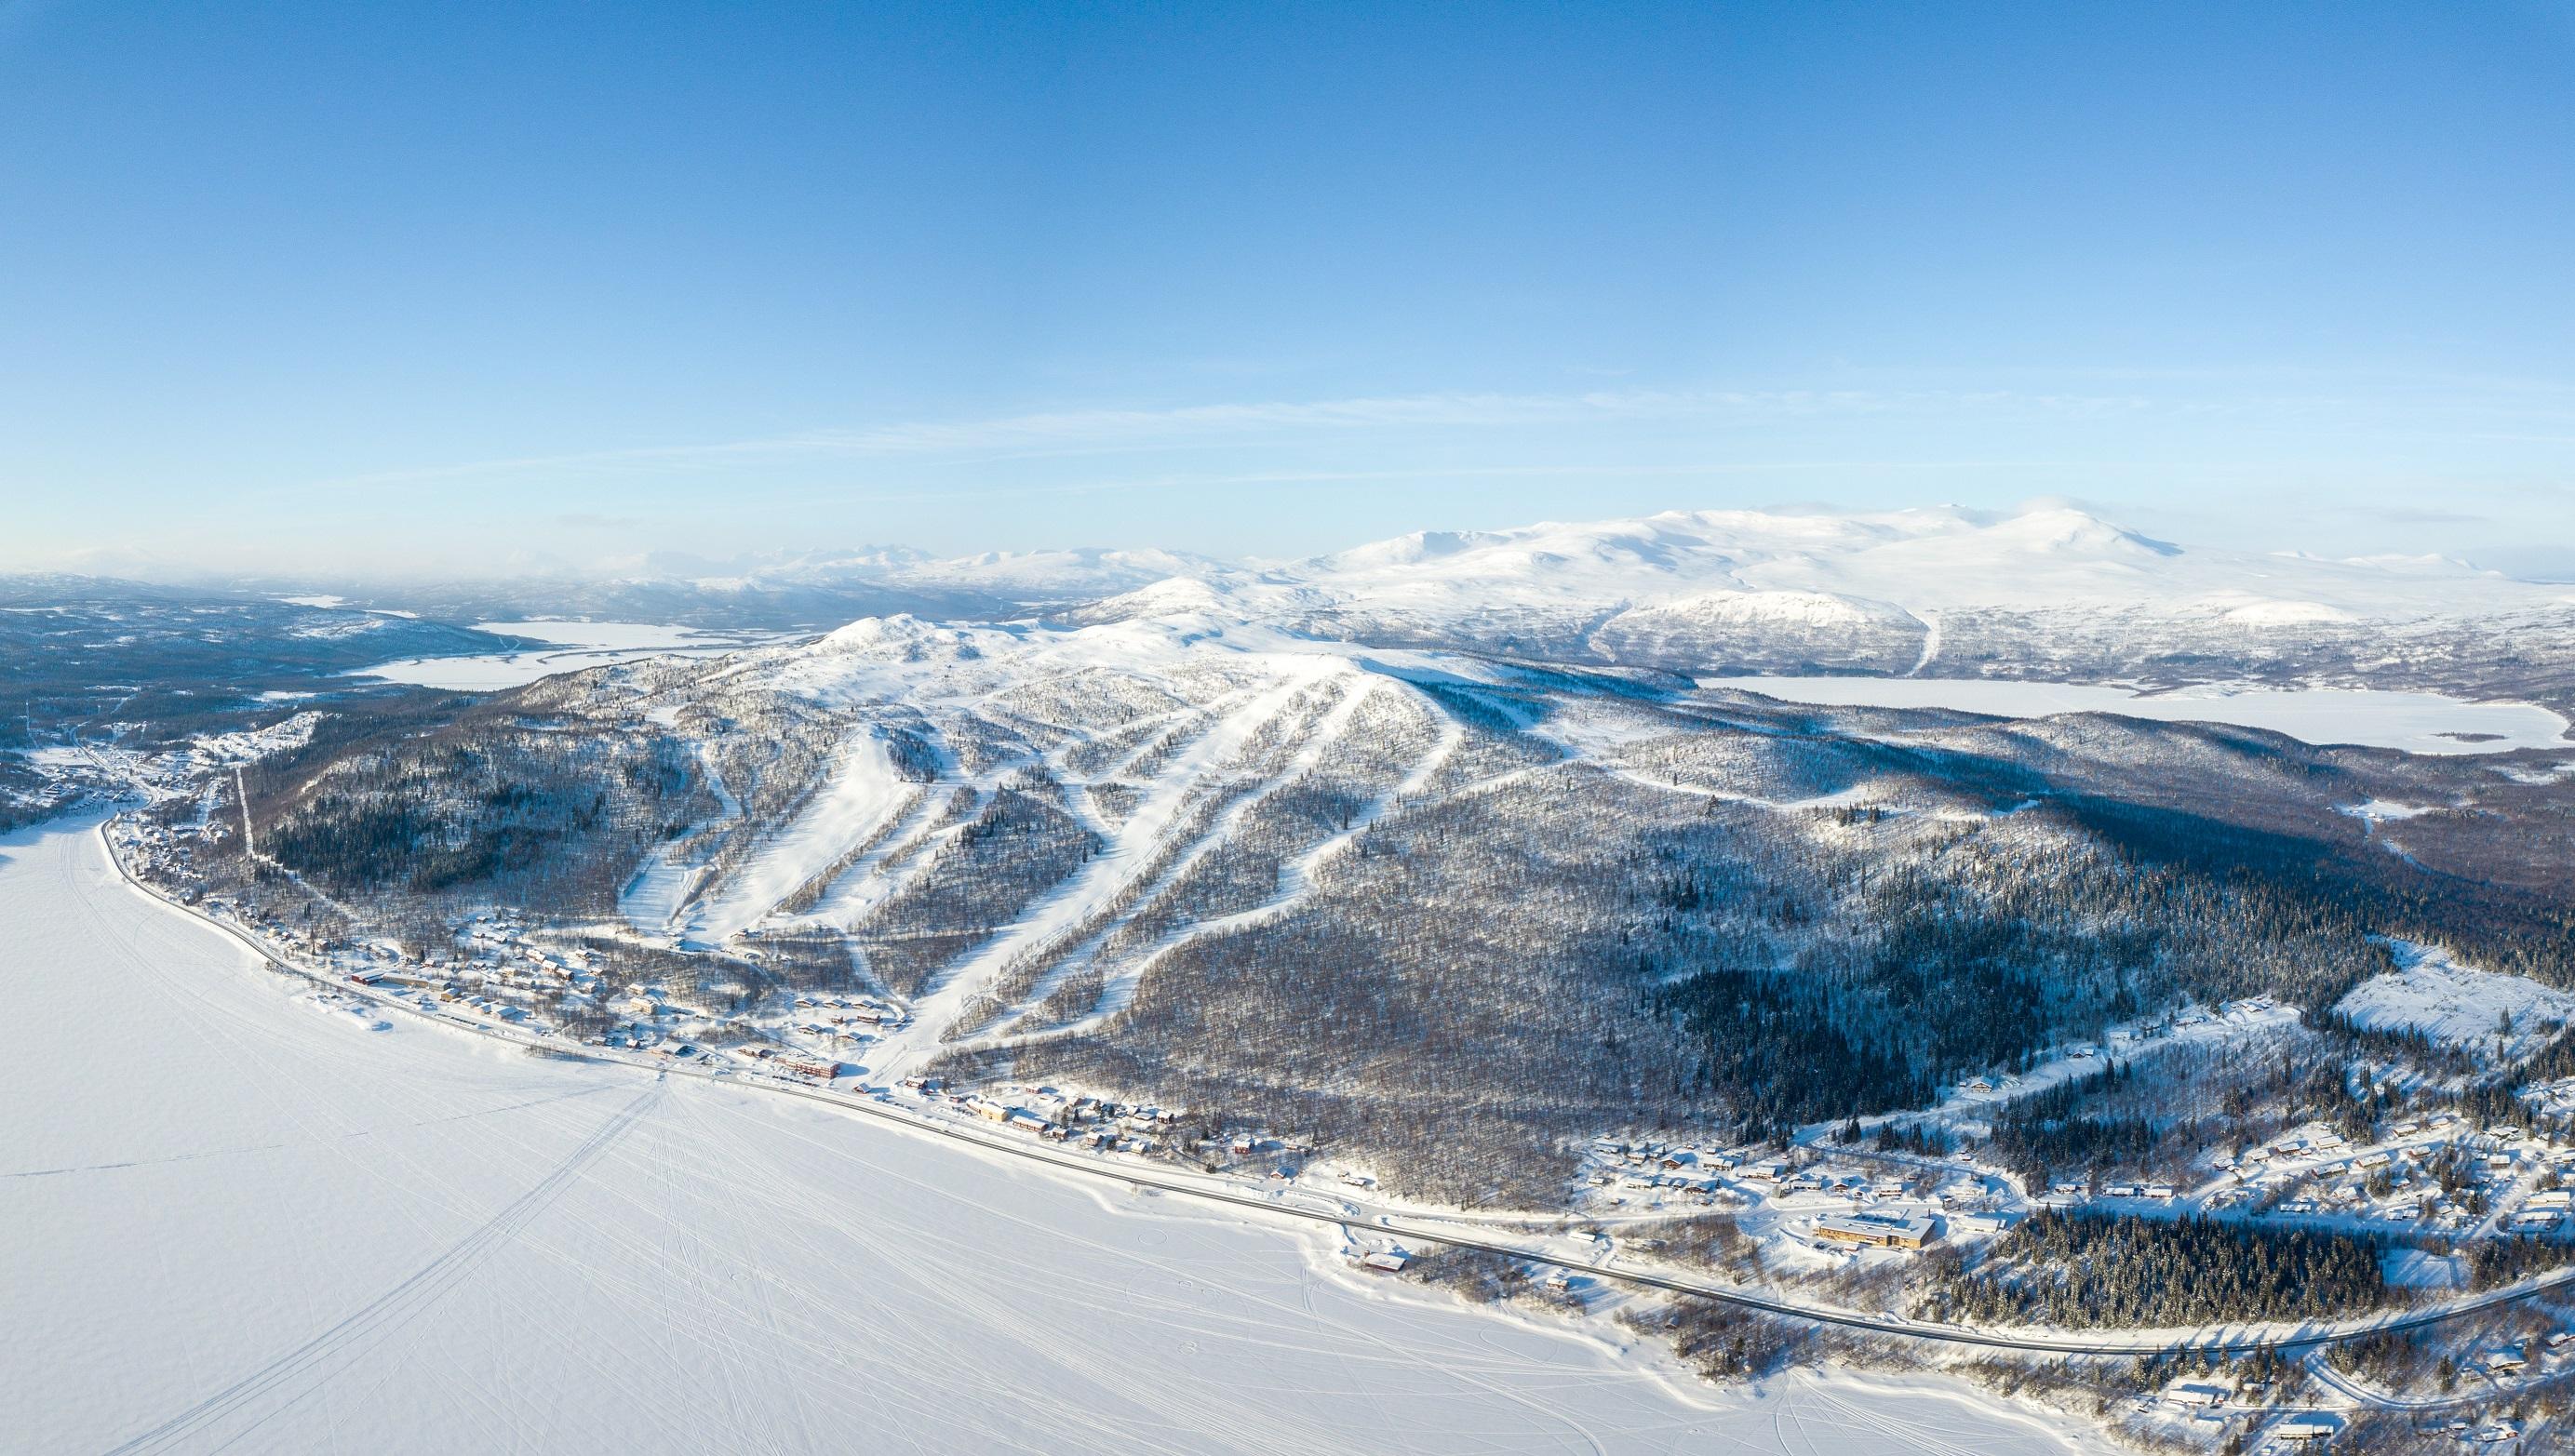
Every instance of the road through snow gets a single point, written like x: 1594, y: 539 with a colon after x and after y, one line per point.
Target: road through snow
x: 241, y: 1226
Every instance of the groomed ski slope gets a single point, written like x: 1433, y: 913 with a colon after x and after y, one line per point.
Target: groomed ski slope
x: 238, y: 1225
x: 861, y: 793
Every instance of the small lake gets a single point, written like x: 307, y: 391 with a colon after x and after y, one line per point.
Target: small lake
x: 569, y: 647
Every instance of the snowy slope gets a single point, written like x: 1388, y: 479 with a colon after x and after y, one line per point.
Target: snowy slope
x: 860, y: 795
x: 1805, y: 568
x: 1869, y: 593
x: 2457, y: 1005
x: 240, y: 1226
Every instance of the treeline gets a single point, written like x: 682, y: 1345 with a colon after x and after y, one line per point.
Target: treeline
x: 2039, y: 1133
x: 2495, y: 1262
x: 2143, y: 1273
x: 1779, y: 1053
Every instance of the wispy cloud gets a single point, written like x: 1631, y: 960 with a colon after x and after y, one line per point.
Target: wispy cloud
x: 1080, y: 432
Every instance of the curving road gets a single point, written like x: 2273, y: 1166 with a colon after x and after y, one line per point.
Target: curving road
x: 1431, y: 1229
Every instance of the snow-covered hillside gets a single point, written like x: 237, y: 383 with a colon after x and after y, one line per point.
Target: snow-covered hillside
x: 2496, y: 1018
x: 236, y: 1226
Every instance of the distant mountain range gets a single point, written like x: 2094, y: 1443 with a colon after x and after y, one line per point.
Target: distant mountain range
x: 2051, y: 593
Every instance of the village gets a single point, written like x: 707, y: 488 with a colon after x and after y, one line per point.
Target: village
x: 1819, y: 1207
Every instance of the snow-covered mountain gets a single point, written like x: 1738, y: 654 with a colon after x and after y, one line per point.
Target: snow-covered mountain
x: 2049, y: 593
x: 2045, y: 591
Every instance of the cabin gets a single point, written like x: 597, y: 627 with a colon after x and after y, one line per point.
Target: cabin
x: 1384, y: 1263
x: 2207, y: 1397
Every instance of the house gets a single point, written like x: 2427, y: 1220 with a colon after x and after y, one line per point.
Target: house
x: 1384, y: 1263
x: 2506, y: 1361
x: 1982, y: 1222
x: 2301, y: 1431
x: 1876, y: 1230
x: 2205, y: 1396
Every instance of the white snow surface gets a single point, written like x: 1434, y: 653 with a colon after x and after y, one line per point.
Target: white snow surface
x: 1755, y: 565
x: 2418, y: 723
x: 236, y: 1226
x: 575, y: 645
x: 861, y: 793
x: 2433, y: 992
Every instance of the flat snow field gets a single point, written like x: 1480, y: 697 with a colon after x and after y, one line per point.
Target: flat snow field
x: 239, y: 1223
x: 576, y: 645
x: 2418, y: 723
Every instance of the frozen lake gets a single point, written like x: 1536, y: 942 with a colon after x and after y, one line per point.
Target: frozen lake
x: 241, y: 1223
x: 571, y: 646
x: 2418, y: 723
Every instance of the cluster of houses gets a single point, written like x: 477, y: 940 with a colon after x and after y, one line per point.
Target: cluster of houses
x: 2317, y: 1171
x: 1844, y: 1208
x: 844, y: 1021
x: 1091, y: 1122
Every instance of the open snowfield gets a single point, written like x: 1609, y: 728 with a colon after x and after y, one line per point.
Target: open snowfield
x: 2457, y: 1005
x: 240, y: 1225
x: 2418, y: 723
x: 574, y: 645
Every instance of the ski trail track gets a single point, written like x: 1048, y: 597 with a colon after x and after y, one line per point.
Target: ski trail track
x: 665, y: 887
x: 1330, y: 730
x: 396, y: 1306
x: 1930, y: 643
x: 1296, y: 884
x: 1129, y: 853
x: 861, y: 793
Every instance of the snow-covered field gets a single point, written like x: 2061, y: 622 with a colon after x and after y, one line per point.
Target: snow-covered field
x: 239, y: 1225
x: 575, y: 645
x: 2458, y: 1005
x: 2418, y: 723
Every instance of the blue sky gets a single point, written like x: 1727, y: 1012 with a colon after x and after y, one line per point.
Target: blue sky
x: 465, y: 287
